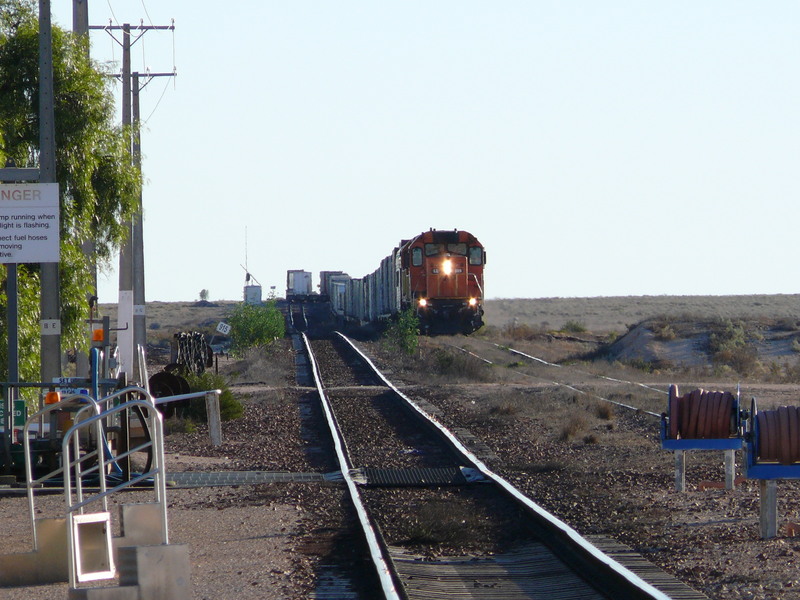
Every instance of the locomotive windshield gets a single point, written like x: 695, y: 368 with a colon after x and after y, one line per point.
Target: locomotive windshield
x: 437, y: 249
x: 476, y: 255
x: 416, y: 257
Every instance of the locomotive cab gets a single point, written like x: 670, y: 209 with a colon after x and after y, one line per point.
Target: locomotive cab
x: 445, y: 280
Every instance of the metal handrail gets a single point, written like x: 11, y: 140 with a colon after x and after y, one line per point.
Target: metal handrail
x: 157, y: 470
x: 92, y: 405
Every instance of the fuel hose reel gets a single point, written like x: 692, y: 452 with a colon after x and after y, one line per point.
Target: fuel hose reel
x: 776, y: 434
x: 702, y: 414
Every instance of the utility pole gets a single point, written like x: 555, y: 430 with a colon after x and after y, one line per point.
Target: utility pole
x: 80, y: 17
x: 50, y: 294
x: 125, y: 309
x: 131, y: 323
x: 80, y: 27
x: 137, y: 275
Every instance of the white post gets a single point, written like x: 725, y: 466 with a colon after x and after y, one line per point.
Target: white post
x: 730, y: 469
x: 768, y: 518
x: 214, y: 421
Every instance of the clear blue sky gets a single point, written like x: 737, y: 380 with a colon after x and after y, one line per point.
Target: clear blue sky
x: 595, y: 148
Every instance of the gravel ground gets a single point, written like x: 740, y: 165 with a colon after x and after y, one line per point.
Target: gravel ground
x: 602, y: 473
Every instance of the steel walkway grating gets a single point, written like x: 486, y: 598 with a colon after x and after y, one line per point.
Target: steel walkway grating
x: 422, y: 477
x: 219, y: 478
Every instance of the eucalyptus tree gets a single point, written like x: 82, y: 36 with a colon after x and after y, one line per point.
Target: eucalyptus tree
x: 99, y: 186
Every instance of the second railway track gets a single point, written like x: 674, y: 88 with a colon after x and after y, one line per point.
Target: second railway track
x: 446, y: 526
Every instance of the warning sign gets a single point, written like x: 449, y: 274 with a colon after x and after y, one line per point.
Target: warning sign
x: 29, y: 223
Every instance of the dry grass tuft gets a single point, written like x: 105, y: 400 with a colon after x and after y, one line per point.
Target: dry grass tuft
x: 604, y: 411
x: 576, y: 424
x: 504, y: 409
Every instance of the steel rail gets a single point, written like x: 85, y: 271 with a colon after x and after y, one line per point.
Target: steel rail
x: 638, y: 587
x: 566, y: 385
x: 376, y: 553
x: 606, y: 377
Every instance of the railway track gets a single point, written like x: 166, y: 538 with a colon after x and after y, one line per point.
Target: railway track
x: 439, y: 522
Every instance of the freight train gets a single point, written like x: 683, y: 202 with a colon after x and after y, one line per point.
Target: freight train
x: 439, y: 274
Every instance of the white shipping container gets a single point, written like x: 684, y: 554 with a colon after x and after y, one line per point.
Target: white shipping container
x: 298, y: 283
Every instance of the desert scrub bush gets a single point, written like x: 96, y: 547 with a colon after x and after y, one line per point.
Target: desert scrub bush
x: 728, y: 346
x: 179, y: 425
x: 641, y: 364
x: 663, y: 332
x: 504, y: 409
x: 727, y: 335
x: 403, y: 333
x: 604, y: 411
x: 795, y: 345
x: 786, y: 324
x: 229, y: 407
x: 519, y: 331
x: 255, y: 325
x: 574, y: 426
x: 506, y: 404
x: 573, y: 326
x: 460, y: 365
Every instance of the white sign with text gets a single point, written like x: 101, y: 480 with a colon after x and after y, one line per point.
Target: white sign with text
x: 29, y: 223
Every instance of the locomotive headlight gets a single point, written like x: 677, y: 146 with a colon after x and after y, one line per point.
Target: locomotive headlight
x: 473, y: 301
x: 423, y: 303
x: 447, y: 266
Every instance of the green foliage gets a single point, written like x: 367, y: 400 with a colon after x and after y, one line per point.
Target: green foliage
x: 729, y: 346
x: 403, y: 334
x: 99, y: 187
x: 664, y: 332
x: 28, y: 322
x: 229, y: 407
x: 204, y: 295
x: 519, y: 331
x: 255, y: 326
x: 574, y: 327
x: 728, y: 335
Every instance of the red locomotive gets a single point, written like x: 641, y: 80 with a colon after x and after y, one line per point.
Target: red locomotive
x: 438, y: 273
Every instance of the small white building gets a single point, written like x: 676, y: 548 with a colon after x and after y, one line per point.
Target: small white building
x: 252, y: 294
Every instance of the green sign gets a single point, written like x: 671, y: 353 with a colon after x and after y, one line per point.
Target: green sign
x: 19, y: 414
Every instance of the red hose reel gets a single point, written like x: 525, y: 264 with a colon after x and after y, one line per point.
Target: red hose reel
x: 778, y: 436
x: 702, y: 414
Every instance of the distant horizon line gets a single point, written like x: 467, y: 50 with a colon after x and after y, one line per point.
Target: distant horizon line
x: 501, y: 298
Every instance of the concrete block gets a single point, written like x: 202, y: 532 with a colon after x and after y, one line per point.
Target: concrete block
x: 129, y: 592
x: 159, y: 571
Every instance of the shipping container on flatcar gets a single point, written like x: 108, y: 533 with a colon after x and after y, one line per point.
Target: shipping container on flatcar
x: 298, y: 285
